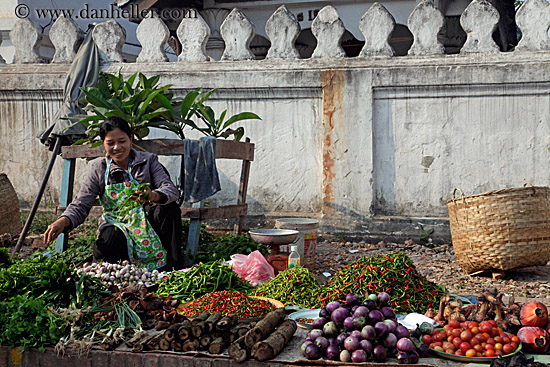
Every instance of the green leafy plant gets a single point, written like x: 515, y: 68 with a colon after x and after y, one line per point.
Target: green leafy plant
x: 193, y: 106
x: 138, y: 100
x: 27, y: 323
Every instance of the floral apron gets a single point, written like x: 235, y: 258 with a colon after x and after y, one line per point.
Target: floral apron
x: 144, y: 246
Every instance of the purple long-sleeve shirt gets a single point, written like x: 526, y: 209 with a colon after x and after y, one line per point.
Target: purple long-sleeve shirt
x: 145, y: 169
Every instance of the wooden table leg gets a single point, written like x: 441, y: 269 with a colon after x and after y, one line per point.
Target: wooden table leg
x: 65, y: 197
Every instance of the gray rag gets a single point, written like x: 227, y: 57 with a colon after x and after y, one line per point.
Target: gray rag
x: 201, y: 175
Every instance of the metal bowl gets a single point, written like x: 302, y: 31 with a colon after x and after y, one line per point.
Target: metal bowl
x: 274, y: 236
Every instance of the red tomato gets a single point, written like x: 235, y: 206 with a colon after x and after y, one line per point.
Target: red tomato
x: 438, y: 336
x: 515, y: 339
x: 475, y: 330
x: 427, y: 339
x: 458, y: 352
x: 489, y: 353
x: 474, y: 341
x: 498, y: 339
x: 448, y: 345
x: 478, y: 348
x: 470, y: 353
x: 447, y: 328
x: 456, y: 342
x: 494, y: 332
x: 498, y: 352
x: 486, y: 336
x: 466, y: 335
x: 439, y: 349
x: 493, y: 323
x: 486, y: 327
x: 514, y: 345
x: 489, y: 347
x: 437, y: 344
x: 456, y: 332
x: 498, y: 346
x: 506, y: 340
x: 491, y: 341
x: 454, y: 324
x: 465, y: 346
x: 507, y: 349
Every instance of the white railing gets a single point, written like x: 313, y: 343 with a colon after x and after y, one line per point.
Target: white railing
x: 478, y: 20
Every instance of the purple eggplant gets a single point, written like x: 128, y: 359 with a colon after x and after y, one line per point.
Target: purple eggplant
x: 348, y: 323
x: 333, y: 306
x: 359, y: 356
x: 414, y: 357
x: 319, y: 323
x: 368, y: 332
x: 370, y: 304
x: 331, y: 340
x: 375, y: 316
x: 314, y: 334
x: 392, y: 325
x: 383, y: 298
x: 324, y: 313
x: 423, y: 350
x: 333, y: 352
x: 379, y: 353
x: 345, y: 356
x: 356, y: 334
x: 354, y: 308
x: 312, y: 352
x: 339, y: 315
x: 358, y: 322
x: 405, y: 345
x: 322, y: 343
x: 352, y: 299
x: 388, y: 312
x: 402, y: 332
x: 390, y: 340
x: 366, y: 345
x: 361, y: 311
x: 340, y: 338
x: 351, y: 343
x: 403, y: 358
x: 330, y: 329
x: 381, y: 329
x: 304, y: 345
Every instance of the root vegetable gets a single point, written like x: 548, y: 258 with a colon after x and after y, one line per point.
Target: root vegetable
x: 274, y: 344
x: 264, y: 327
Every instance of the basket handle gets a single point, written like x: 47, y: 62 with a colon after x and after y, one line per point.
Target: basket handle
x: 463, y: 201
x: 533, y: 187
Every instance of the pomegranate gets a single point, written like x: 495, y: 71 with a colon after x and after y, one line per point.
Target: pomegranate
x: 534, y: 339
x: 534, y: 313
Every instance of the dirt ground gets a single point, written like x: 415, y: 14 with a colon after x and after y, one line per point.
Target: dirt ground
x: 439, y: 264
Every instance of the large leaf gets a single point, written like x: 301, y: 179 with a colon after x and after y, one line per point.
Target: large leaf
x: 220, y: 120
x: 207, y: 113
x: 188, y: 101
x: 239, y: 117
x: 152, y: 82
x: 94, y: 97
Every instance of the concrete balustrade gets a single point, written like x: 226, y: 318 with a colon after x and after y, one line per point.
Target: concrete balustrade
x: 479, y: 20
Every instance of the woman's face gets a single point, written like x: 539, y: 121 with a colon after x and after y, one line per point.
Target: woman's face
x: 117, y: 145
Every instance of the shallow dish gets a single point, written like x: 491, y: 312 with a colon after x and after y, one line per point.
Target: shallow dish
x: 305, y: 314
x: 274, y: 302
x: 454, y: 357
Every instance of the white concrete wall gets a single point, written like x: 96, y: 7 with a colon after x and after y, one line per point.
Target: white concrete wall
x: 351, y: 141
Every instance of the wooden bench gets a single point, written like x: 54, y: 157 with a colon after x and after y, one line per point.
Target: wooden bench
x: 225, y: 149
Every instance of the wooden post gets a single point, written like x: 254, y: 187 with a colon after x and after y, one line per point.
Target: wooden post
x: 65, y: 197
x: 243, y: 187
x: 193, y: 237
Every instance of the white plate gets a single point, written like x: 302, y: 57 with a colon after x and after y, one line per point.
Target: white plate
x: 305, y: 314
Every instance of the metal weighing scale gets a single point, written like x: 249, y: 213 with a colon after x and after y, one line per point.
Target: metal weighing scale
x: 274, y: 238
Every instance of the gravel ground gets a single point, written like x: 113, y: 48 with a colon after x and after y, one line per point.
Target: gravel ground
x: 439, y: 264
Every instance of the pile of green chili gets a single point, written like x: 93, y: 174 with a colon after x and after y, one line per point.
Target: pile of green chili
x: 201, y: 279
x: 296, y: 286
x: 392, y: 273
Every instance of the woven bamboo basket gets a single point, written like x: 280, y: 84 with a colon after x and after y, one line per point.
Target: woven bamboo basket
x: 10, y: 220
x: 502, y: 229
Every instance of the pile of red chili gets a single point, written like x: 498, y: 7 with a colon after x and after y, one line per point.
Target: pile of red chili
x: 391, y: 273
x: 227, y: 303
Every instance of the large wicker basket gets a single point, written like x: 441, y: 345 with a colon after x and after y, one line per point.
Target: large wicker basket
x: 502, y: 229
x: 10, y: 220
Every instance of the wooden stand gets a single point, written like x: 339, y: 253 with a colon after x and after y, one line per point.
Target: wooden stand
x: 225, y: 149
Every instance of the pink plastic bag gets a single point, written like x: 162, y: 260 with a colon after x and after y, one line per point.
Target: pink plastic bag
x: 253, y: 268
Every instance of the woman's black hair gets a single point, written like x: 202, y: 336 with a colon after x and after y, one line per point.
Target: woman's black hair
x: 112, y: 123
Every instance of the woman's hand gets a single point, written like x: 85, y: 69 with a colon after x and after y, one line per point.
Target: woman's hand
x: 146, y: 195
x: 55, y: 229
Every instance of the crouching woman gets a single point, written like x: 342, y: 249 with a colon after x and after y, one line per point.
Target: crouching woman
x: 149, y: 235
